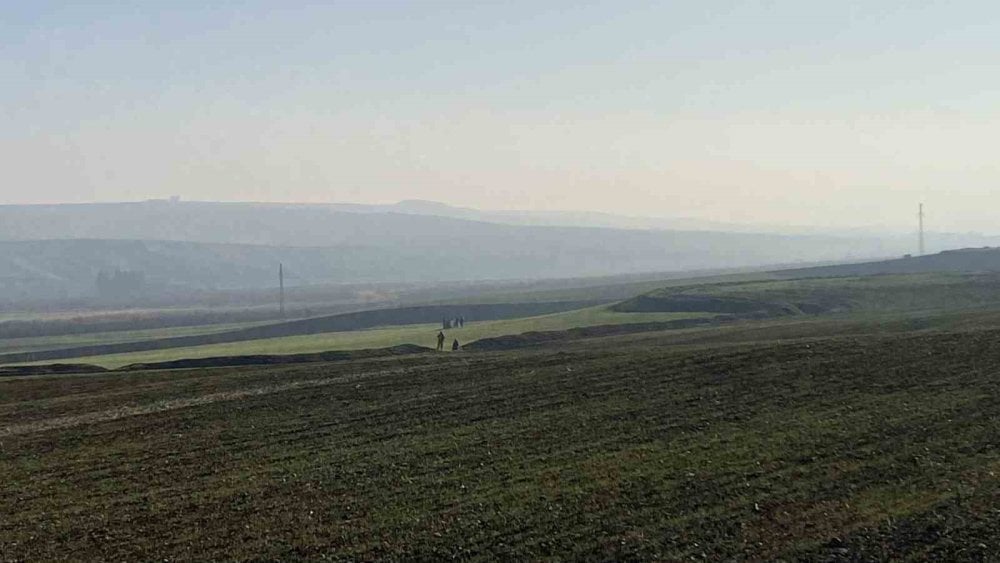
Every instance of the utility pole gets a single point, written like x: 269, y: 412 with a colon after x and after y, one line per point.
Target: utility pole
x: 281, y: 290
x: 920, y: 219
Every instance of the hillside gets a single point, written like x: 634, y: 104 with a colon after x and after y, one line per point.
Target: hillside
x: 962, y: 260
x: 287, y: 224
x: 56, y: 269
x: 51, y: 252
x: 551, y: 218
x: 281, y: 224
x: 951, y: 279
x: 808, y: 296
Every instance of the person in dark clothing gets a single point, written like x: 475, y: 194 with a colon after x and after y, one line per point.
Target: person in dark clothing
x: 440, y: 341
x: 454, y: 346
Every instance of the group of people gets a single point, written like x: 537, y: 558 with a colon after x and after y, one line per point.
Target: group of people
x: 454, y: 345
x: 446, y: 323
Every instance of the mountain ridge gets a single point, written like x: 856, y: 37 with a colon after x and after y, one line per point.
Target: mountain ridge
x: 58, y: 251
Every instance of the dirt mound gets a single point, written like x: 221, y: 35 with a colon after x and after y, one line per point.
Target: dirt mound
x: 263, y: 360
x: 50, y: 369
x: 513, y: 341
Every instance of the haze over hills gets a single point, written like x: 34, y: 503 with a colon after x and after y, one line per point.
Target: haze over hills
x: 291, y: 224
x: 59, y: 250
x: 944, y: 240
x: 549, y: 218
x: 285, y: 223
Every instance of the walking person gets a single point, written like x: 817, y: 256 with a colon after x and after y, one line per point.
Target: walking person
x: 440, y: 341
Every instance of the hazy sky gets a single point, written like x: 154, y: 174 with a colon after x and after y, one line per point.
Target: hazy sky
x: 809, y: 113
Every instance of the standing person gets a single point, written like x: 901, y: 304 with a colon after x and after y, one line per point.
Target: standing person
x: 454, y: 346
x: 440, y: 341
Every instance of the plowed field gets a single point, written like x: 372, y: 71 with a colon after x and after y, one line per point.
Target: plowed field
x: 625, y: 448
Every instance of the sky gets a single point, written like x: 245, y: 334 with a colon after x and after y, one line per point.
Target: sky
x: 829, y: 114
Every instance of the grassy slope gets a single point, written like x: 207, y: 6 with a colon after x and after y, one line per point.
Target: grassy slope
x: 871, y: 295
x: 613, y: 291
x: 871, y: 448
x: 424, y: 335
x: 878, y: 294
x: 911, y: 292
x: 11, y: 345
x: 323, y: 302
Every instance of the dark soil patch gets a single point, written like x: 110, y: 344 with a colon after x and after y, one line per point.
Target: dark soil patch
x: 512, y: 341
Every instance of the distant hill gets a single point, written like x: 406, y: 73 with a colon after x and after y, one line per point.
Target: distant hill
x: 58, y: 251
x: 307, y: 224
x: 550, y: 218
x: 279, y: 224
x: 903, y: 242
x: 67, y: 269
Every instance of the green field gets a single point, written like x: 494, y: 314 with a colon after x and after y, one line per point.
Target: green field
x: 319, y: 301
x: 880, y: 299
x: 424, y: 335
x: 829, y: 448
